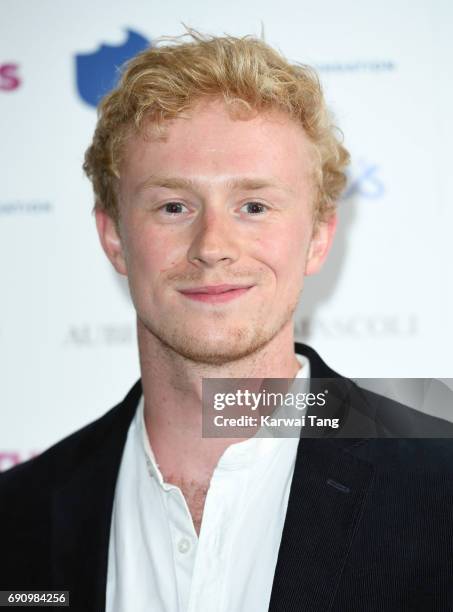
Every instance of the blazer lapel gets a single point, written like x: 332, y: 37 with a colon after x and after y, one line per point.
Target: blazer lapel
x: 82, y: 509
x: 328, y: 492
x: 327, y: 496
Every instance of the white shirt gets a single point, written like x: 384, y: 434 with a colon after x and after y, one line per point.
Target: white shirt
x: 157, y: 563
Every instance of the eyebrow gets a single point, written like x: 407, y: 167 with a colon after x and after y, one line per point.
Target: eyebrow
x: 245, y: 183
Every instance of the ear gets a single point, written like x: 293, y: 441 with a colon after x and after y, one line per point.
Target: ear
x: 111, y: 241
x: 320, y: 244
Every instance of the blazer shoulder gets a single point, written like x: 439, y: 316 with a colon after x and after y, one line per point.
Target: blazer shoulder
x: 393, y: 437
x: 407, y: 440
x: 34, y: 478
x: 402, y: 420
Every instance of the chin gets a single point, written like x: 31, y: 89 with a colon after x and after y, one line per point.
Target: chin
x: 217, y: 348
x: 216, y: 342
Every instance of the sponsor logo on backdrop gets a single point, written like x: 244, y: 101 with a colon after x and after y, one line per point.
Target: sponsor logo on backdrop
x: 374, y: 66
x: 364, y: 181
x: 359, y: 326
x: 9, y: 78
x: 9, y: 459
x: 98, y: 72
x: 86, y: 335
x: 25, y: 208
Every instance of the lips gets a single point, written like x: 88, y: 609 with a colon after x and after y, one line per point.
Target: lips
x: 215, y: 294
x: 214, y: 289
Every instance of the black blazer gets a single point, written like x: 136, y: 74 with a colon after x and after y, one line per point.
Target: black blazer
x: 369, y: 525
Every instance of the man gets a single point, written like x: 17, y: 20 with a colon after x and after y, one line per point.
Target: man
x: 216, y: 170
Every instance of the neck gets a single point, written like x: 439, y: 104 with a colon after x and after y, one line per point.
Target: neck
x: 172, y: 388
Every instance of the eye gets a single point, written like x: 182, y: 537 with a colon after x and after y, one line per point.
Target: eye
x: 254, y: 208
x: 173, y: 208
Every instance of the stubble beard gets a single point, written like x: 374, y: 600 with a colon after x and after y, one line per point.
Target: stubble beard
x: 237, y: 343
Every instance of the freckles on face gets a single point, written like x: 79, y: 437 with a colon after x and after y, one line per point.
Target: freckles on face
x: 215, y: 166
x: 283, y: 247
x: 151, y: 253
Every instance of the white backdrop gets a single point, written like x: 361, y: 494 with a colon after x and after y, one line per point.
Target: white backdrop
x: 381, y: 307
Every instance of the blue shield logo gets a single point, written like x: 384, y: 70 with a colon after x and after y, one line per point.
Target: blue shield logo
x: 97, y: 73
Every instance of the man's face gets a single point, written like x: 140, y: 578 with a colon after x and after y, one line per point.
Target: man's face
x: 220, y: 201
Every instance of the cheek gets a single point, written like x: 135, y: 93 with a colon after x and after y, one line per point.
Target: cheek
x: 150, y: 254
x: 284, y: 252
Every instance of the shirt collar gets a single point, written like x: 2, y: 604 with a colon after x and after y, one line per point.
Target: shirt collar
x: 236, y: 455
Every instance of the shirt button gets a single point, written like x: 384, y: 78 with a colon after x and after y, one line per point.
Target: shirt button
x: 184, y: 545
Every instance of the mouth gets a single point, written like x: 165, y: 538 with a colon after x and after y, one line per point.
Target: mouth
x: 215, y: 294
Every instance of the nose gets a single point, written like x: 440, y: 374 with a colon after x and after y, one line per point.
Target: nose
x: 215, y: 240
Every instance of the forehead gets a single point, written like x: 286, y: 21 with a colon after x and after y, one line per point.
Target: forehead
x: 211, y: 142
